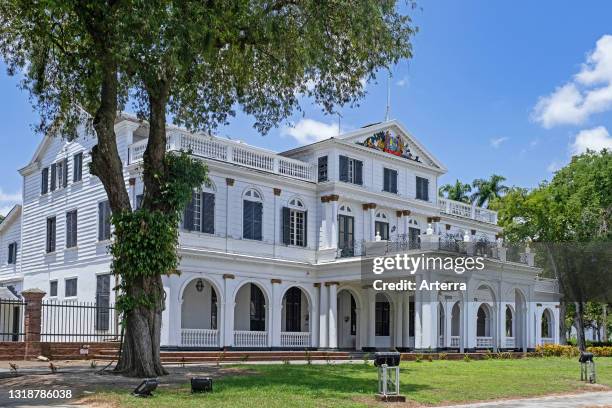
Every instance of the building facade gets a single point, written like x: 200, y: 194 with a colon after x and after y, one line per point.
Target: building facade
x: 271, y: 251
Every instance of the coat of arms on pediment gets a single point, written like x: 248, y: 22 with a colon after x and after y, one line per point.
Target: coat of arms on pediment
x: 390, y: 142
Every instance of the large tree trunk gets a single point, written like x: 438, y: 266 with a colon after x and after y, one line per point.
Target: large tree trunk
x: 579, y: 324
x: 562, y: 328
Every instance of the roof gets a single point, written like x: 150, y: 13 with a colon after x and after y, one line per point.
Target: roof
x: 12, y: 215
x: 5, y: 293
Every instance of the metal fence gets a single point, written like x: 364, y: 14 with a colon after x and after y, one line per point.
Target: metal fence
x: 11, y: 320
x: 78, y: 322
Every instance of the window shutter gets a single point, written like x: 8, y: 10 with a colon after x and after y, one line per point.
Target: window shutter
x: 305, y: 228
x: 77, y: 167
x: 65, y: 174
x: 101, y: 221
x: 394, y: 182
x: 286, y: 213
x: 344, y: 168
x: 358, y: 172
x: 208, y: 213
x: 386, y: 184
x: 53, y: 176
x: 426, y: 189
x: 44, y: 181
x: 247, y: 219
x: 257, y: 218
x: 188, y: 218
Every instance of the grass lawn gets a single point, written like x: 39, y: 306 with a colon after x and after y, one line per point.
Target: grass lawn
x: 345, y: 385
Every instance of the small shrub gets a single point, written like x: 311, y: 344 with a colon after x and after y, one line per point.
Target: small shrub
x: 442, y: 356
x: 467, y: 358
x: 244, y: 358
x: 418, y: 358
x: 489, y: 355
x: 430, y: 358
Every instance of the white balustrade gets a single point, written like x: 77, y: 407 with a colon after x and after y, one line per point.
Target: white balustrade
x: 484, y: 342
x: 229, y: 151
x: 546, y: 285
x: 466, y: 210
x: 510, y: 342
x: 295, y: 339
x: 441, y: 341
x: 246, y: 338
x: 200, y: 337
x: 548, y: 340
x: 454, y: 341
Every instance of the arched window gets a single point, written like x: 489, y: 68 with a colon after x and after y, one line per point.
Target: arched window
x: 295, y: 223
x: 346, y: 231
x: 252, y: 213
x: 381, y: 226
x: 547, y: 326
x: 257, y: 309
x: 482, y: 322
x: 293, y: 310
x: 345, y: 209
x: 509, y: 322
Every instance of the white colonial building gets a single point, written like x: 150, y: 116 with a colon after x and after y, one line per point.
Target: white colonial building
x: 271, y: 251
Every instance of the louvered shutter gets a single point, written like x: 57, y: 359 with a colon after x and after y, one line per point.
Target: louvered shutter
x: 53, y: 176
x: 247, y: 219
x: 188, y: 217
x: 394, y: 181
x: 344, y: 168
x: 257, y: 221
x: 358, y: 172
x: 208, y: 213
x: 286, y: 215
x: 386, y: 184
x: 305, y: 228
x: 65, y: 174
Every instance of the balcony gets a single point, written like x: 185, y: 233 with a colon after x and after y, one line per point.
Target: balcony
x: 228, y: 151
x: 465, y: 210
x: 199, y: 338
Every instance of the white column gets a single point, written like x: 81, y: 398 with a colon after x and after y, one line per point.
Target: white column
x: 276, y: 313
x: 501, y: 334
x: 165, y: 324
x: 556, y: 324
x: 371, y: 299
x: 327, y: 214
x: 314, y: 318
x: 538, y: 325
x: 462, y: 330
x: 372, y: 220
x: 418, y: 314
x: 333, y: 315
x: 399, y: 306
x: 406, y: 320
x: 334, y: 224
x: 323, y: 313
x: 448, y: 321
x: 227, y: 314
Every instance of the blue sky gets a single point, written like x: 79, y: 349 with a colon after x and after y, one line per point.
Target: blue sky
x: 512, y: 88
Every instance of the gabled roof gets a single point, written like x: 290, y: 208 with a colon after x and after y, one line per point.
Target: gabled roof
x: 14, y: 214
x: 357, y: 137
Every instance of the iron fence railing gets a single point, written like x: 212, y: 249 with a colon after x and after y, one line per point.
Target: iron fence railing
x: 79, y: 321
x: 11, y: 319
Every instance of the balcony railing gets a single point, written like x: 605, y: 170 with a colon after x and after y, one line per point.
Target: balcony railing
x: 246, y: 338
x: 295, y: 339
x: 484, y: 342
x: 465, y: 210
x: 455, y: 341
x: 199, y: 338
x: 510, y: 342
x: 548, y: 340
x: 231, y: 152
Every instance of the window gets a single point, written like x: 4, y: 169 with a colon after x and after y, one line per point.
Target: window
x: 104, y: 221
x: 12, y: 253
x: 71, y: 287
x: 53, y: 288
x: 258, y: 309
x: 102, y: 301
x: 294, y: 223
x: 346, y: 227
x: 411, y: 318
x: 351, y: 170
x: 200, y: 213
x: 51, y: 224
x: 71, y: 229
x: 44, y: 181
x: 422, y: 188
x: 213, y: 309
x: 252, y: 211
x: 413, y: 237
x: 383, y: 312
x: 62, y: 173
x: 322, y: 166
x: 77, y: 167
x: 381, y: 226
x: 293, y: 310
x: 53, y: 176
x: 390, y: 181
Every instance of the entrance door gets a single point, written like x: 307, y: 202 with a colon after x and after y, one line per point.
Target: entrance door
x: 346, y: 236
x: 102, y: 302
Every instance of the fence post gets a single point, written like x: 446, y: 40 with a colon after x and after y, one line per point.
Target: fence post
x: 32, y: 321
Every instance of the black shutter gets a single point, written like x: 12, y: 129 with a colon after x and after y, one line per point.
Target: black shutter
x: 257, y: 221
x: 53, y: 176
x: 305, y: 228
x: 65, y: 174
x: 358, y: 172
x: 386, y: 183
x: 189, y: 210
x: 77, y: 167
x: 102, y: 302
x: 44, y: 181
x: 286, y: 222
x: 426, y: 189
x: 394, y: 181
x: 344, y: 168
x: 247, y: 219
x: 208, y: 213
x: 100, y: 221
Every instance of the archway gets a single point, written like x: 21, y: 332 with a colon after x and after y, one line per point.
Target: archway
x: 348, y: 320
x: 200, y: 314
x: 484, y: 330
x: 455, y: 340
x: 547, y: 327
x: 251, y: 317
x: 295, y: 322
x: 383, y: 319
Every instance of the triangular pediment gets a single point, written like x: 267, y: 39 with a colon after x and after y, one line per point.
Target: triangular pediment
x: 392, y: 138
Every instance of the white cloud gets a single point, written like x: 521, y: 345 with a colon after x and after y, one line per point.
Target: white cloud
x: 495, y: 143
x: 588, y: 93
x: 593, y: 139
x: 405, y: 81
x: 8, y: 201
x: 307, y: 131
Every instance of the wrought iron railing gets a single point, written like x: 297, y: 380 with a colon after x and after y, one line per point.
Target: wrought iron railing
x: 78, y: 321
x: 11, y: 319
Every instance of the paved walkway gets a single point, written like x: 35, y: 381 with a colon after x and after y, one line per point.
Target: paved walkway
x: 589, y: 399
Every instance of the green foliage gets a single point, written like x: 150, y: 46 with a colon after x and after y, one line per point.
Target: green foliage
x: 458, y: 191
x: 467, y: 358
x: 488, y: 190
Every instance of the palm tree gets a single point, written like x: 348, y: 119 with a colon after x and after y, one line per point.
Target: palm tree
x: 457, y: 192
x: 488, y: 189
